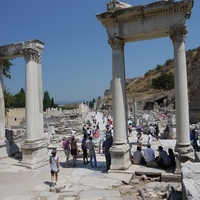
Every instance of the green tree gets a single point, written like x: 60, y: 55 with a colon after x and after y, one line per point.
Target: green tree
x: 46, y: 101
x: 9, y: 100
x: 164, y: 82
x: 20, y: 99
x: 6, y: 68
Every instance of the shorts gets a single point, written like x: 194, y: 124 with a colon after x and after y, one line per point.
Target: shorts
x: 73, y: 152
x: 52, y: 172
x: 67, y: 152
x: 85, y: 154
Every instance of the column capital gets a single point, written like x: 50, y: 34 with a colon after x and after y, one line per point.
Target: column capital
x: 116, y: 43
x: 31, y: 54
x: 178, y: 33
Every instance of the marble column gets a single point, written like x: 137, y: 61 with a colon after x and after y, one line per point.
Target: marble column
x: 34, y: 151
x: 40, y: 98
x: 183, y: 147
x: 135, y: 111
x: 3, y: 141
x: 120, y: 151
x: 2, y: 103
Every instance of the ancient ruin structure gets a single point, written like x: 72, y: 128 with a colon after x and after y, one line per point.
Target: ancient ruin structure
x: 34, y: 150
x: 125, y: 23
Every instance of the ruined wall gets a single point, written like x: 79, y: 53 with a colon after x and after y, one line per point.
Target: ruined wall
x: 15, y: 117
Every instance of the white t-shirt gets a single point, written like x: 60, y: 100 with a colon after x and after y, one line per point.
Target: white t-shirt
x: 149, y: 155
x: 73, y: 132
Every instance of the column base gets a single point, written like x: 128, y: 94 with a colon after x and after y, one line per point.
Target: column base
x: 34, y: 155
x: 183, y: 153
x: 4, y: 148
x: 120, y: 157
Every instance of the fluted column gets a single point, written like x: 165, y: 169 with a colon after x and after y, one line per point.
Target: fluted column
x: 118, y: 91
x: 40, y: 95
x: 32, y: 95
x: 178, y: 36
x: 120, y: 150
x: 2, y: 103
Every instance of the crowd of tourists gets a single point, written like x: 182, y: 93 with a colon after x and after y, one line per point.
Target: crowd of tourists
x: 69, y: 145
x: 147, y: 157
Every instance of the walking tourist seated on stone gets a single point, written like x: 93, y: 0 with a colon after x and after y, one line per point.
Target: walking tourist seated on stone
x: 138, y: 157
x: 172, y: 157
x: 163, y: 159
x: 149, y: 155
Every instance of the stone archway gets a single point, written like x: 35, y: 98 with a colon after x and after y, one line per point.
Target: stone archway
x: 125, y: 23
x: 34, y: 150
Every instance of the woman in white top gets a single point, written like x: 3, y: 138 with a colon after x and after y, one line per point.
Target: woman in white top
x: 54, y: 166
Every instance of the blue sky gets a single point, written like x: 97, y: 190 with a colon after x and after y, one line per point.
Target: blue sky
x: 76, y: 60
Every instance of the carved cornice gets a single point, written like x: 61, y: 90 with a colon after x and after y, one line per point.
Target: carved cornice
x: 141, y: 12
x: 178, y: 33
x: 31, y: 55
x: 116, y: 43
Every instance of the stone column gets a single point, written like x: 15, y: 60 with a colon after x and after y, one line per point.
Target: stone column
x: 135, y: 111
x: 40, y: 98
x: 120, y: 150
x: 2, y: 103
x: 34, y: 151
x: 3, y: 141
x: 183, y: 147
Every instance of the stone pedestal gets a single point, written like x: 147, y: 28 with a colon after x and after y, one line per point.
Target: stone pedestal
x: 120, y: 157
x: 183, y: 153
x: 172, y: 131
x: 3, y: 148
x: 35, y: 154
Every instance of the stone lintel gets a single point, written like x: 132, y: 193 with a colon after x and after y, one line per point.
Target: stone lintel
x: 15, y: 50
x: 120, y: 157
x: 145, y: 22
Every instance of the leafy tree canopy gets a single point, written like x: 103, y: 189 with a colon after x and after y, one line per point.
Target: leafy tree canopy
x: 163, y: 82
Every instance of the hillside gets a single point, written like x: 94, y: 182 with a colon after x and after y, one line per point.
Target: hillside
x: 142, y: 88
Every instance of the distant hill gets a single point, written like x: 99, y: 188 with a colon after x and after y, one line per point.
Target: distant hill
x: 142, y: 88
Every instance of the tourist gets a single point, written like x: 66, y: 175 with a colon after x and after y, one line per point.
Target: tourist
x: 193, y: 138
x: 130, y: 130
x: 151, y: 130
x: 54, y: 166
x: 74, y: 150
x: 166, y: 132
x: 149, y: 140
x: 163, y: 159
x: 73, y: 132
x: 138, y: 157
x: 84, y: 129
x: 106, y: 147
x: 157, y: 131
x: 97, y: 126
x: 84, y: 149
x: 139, y: 137
x: 149, y: 154
x: 92, y: 154
x: 172, y: 157
x: 66, y: 147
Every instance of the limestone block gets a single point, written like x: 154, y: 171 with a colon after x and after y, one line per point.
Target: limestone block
x: 190, y: 180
